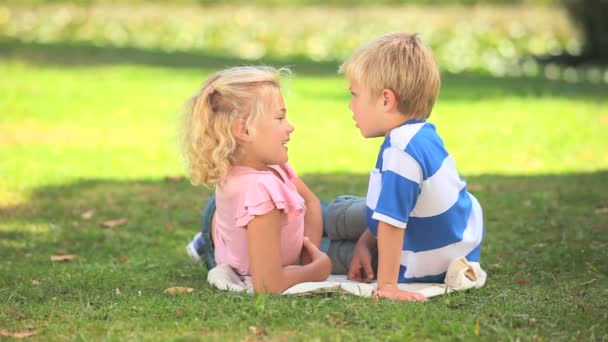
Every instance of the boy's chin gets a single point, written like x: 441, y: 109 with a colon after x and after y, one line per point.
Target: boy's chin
x: 368, y: 135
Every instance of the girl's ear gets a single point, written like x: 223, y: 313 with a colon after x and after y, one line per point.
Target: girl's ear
x: 389, y: 100
x: 240, y: 131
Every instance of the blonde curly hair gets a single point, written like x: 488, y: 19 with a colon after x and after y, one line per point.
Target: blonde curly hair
x: 208, y: 141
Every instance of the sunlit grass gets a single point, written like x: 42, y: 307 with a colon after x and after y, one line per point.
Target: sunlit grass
x: 123, y: 122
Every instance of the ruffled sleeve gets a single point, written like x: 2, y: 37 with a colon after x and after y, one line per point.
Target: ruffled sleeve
x: 264, y: 193
x: 289, y: 171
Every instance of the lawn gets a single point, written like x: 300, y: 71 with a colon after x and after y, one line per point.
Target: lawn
x: 90, y: 134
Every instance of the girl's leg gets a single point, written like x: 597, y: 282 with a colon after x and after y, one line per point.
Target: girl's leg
x: 201, y: 247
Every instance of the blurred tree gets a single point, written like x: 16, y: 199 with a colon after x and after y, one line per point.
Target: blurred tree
x: 590, y: 15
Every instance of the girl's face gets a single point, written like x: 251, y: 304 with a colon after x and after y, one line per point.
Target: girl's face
x: 272, y: 131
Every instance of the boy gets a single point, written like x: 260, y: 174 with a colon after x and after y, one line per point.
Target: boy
x: 419, y: 214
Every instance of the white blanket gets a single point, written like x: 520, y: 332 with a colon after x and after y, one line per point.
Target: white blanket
x: 461, y: 275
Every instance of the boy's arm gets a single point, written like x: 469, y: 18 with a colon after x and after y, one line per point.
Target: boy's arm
x: 267, y: 273
x: 313, y: 219
x: 390, y: 242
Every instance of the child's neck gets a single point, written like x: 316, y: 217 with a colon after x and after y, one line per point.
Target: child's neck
x: 396, y: 119
x: 242, y: 159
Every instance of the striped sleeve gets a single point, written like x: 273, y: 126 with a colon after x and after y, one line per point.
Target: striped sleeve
x: 401, y: 178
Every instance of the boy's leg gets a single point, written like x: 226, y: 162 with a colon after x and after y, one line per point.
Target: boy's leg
x: 345, y: 218
x: 344, y: 221
x: 201, y: 247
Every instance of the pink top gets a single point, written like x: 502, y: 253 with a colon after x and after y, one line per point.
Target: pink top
x: 246, y: 193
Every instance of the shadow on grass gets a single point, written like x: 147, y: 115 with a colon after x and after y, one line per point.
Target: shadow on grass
x: 70, y: 54
x: 465, y: 86
x: 544, y: 221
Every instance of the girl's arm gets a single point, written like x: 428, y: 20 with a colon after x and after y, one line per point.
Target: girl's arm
x: 313, y: 219
x: 390, y: 241
x: 267, y: 273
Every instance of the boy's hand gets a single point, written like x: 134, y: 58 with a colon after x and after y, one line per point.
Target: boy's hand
x: 360, y: 268
x: 393, y: 292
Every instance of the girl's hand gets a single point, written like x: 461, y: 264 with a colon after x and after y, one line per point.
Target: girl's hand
x: 311, y: 249
x: 393, y: 292
x: 320, y: 259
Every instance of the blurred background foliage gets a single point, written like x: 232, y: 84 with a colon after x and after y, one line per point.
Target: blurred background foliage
x: 590, y: 16
x: 498, y: 37
x: 287, y: 2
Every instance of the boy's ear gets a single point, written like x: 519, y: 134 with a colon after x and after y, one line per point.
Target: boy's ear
x: 389, y: 100
x: 240, y: 131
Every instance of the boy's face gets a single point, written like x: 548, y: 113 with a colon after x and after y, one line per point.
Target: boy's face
x: 366, y: 110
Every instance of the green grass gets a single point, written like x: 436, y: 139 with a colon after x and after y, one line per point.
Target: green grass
x: 81, y: 130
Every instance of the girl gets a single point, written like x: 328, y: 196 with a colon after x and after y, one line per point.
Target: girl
x: 265, y: 218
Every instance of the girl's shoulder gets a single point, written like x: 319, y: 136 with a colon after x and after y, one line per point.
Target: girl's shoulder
x: 253, y: 192
x: 242, y: 179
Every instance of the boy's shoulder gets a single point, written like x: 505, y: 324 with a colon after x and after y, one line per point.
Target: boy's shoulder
x: 420, y: 143
x: 412, y: 136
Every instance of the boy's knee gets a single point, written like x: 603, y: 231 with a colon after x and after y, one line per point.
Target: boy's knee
x: 338, y: 208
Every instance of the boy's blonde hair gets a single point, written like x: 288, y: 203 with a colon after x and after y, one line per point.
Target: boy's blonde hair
x: 402, y: 63
x: 209, y: 115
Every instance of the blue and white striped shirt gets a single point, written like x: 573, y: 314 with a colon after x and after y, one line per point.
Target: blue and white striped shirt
x: 415, y: 186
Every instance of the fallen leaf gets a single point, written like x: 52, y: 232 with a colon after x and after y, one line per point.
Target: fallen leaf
x: 600, y: 228
x: 117, y: 291
x: 65, y: 257
x: 179, y: 289
x: 169, y: 227
x: 601, y: 209
x: 35, y: 282
x: 7, y: 333
x: 475, y: 187
x: 87, y: 215
x: 257, y: 330
x: 522, y: 281
x: 174, y: 179
x: 122, y: 259
x: 18, y: 314
x: 114, y: 223
x: 180, y: 312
